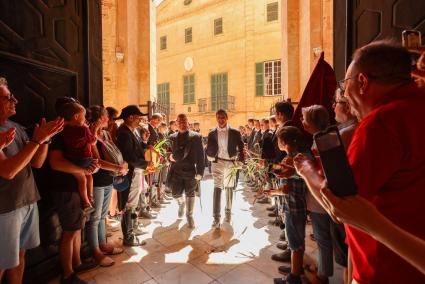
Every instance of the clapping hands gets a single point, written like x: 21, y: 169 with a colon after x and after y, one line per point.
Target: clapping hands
x: 7, y: 137
x: 46, y: 130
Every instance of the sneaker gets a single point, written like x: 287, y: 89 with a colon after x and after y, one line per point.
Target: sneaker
x: 284, y: 256
x: 85, y: 266
x: 271, y: 208
x: 290, y: 279
x: 282, y: 245
x: 72, y: 279
x: 284, y: 269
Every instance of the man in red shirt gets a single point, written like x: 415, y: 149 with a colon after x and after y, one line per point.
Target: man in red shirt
x: 386, y: 155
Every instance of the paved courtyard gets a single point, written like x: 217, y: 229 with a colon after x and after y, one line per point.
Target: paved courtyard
x: 239, y: 253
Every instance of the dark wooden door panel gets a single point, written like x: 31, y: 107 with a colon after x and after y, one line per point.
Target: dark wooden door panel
x: 49, y: 49
x: 359, y: 22
x: 47, y: 31
x: 37, y: 86
x: 379, y: 19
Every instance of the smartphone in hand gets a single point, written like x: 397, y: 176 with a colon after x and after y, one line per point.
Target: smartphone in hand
x: 334, y: 161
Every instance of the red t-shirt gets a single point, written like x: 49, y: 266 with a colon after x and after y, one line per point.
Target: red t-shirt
x: 387, y: 155
x: 78, y: 141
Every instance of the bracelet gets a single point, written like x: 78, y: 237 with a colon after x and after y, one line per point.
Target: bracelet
x: 47, y: 142
x: 35, y: 142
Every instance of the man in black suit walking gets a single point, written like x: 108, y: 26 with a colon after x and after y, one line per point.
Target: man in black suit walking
x: 224, y: 149
x: 187, y: 167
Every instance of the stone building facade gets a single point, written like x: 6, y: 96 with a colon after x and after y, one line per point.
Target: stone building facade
x: 219, y: 54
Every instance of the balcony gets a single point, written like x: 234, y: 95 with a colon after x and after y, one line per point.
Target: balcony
x: 214, y: 104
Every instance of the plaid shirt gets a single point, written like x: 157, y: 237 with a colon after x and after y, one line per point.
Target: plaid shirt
x: 294, y: 201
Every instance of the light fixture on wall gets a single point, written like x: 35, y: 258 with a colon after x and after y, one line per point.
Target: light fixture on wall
x: 317, y: 51
x: 119, y: 54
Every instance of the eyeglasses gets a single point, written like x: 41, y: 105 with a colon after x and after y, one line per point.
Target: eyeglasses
x: 335, y: 102
x: 10, y: 98
x: 341, y: 83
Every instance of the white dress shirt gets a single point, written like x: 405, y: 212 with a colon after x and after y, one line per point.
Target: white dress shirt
x: 223, y: 141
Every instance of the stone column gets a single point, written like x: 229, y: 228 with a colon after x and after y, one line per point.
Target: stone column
x: 290, y: 49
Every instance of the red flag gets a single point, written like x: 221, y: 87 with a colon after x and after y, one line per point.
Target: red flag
x: 320, y: 90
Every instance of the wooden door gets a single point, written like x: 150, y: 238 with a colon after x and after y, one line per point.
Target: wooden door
x: 359, y: 22
x: 49, y: 49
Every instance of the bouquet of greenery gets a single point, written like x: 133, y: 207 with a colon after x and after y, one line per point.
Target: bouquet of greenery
x: 252, y: 169
x: 157, y: 156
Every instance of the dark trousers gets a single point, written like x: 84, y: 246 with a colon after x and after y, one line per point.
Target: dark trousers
x: 183, y: 185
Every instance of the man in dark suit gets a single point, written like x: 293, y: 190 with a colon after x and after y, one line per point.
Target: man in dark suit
x: 224, y: 149
x: 266, y: 142
x: 187, y: 167
x: 154, y: 138
x: 172, y: 127
x: 252, y: 133
x: 132, y: 148
x: 153, y: 124
x: 257, y: 138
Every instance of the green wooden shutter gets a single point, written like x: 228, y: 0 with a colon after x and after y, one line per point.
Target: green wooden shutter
x: 213, y: 92
x: 192, y: 88
x: 185, y: 90
x: 224, y: 92
x: 259, y: 79
x: 167, y: 94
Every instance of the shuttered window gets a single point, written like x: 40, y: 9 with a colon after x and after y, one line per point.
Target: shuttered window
x: 272, y: 11
x: 268, y: 78
x: 218, y: 26
x: 189, y: 89
x: 188, y: 35
x: 163, y: 94
x: 163, y: 43
x: 259, y: 79
x: 219, y: 98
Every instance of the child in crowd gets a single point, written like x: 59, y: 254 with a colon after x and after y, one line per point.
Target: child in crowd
x: 78, y: 142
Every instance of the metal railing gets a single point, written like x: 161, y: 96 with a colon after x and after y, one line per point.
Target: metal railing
x: 216, y: 103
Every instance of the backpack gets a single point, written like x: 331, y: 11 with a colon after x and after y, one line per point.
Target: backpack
x: 110, y: 151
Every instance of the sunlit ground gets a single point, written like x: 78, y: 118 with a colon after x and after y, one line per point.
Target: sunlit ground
x: 239, y: 253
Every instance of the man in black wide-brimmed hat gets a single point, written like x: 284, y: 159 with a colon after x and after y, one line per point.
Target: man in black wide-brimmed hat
x: 132, y: 148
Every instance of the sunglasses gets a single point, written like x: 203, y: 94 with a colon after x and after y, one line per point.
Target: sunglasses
x: 10, y: 98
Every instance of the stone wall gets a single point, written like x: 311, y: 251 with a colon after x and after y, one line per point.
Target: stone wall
x: 307, y: 27
x: 127, y: 28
